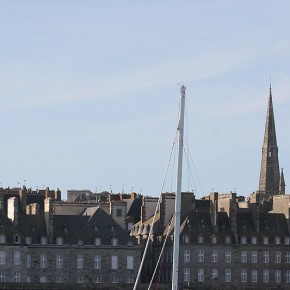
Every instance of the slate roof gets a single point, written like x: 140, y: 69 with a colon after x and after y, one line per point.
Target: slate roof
x: 28, y: 225
x: 87, y: 228
x: 135, y: 210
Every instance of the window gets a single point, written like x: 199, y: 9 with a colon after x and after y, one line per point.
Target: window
x: 265, y: 240
x: 200, y: 239
x: 98, y: 242
x: 2, y: 277
x: 43, y: 241
x: 115, y: 242
x: 97, y: 279
x: 43, y: 279
x: 43, y: 261
x: 114, y: 279
x: 119, y: 212
x: 186, y: 275
x: 214, y: 240
x: 244, y: 275
x: 80, y: 261
x: 80, y: 242
x: 228, y: 256
x: 2, y: 257
x: 28, y: 261
x: 98, y: 262
x: 277, y: 257
x: 80, y: 280
x: 286, y: 240
x: 59, y: 261
x: 17, y: 239
x: 227, y: 240
x: 287, y: 276
x: 16, y: 277
x: 186, y: 256
x: 287, y: 257
x: 228, y: 275
x: 200, y: 275
x: 266, y: 257
x: 58, y: 279
x: 59, y: 241
x: 130, y: 225
x: 28, y: 279
x: 277, y: 240
x: 243, y: 240
x: 200, y: 256
x: 114, y: 262
x: 254, y: 240
x: 2, y: 239
x: 244, y: 256
x: 28, y: 240
x: 254, y: 257
x: 254, y: 275
x: 186, y: 239
x: 214, y: 256
x: 277, y: 276
x: 130, y: 263
x: 130, y: 280
x: 16, y: 256
x: 266, y: 275
x: 214, y: 274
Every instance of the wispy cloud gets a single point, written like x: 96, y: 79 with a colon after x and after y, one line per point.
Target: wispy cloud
x: 26, y: 87
x: 23, y: 88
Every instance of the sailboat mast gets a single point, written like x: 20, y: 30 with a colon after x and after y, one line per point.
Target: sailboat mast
x: 180, y: 130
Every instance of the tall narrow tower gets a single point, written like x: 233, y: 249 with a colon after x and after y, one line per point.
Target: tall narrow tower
x: 270, y: 173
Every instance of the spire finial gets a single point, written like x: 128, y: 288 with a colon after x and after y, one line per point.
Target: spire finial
x: 270, y: 84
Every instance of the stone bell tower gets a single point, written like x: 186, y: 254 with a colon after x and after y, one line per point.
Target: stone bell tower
x: 270, y: 173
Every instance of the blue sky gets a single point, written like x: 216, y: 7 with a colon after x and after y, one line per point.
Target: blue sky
x: 89, y: 91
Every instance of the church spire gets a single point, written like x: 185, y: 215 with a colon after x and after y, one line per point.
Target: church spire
x: 270, y: 173
x: 282, y: 184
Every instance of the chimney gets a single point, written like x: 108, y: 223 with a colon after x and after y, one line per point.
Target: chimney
x: 258, y: 213
x: 187, y: 201
x: 23, y: 198
x: 162, y: 208
x: 233, y: 215
x: 48, y: 214
x: 214, y: 210
x: 57, y: 194
x: 13, y: 209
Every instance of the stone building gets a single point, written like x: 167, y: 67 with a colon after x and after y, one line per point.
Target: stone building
x: 55, y: 251
x: 227, y: 241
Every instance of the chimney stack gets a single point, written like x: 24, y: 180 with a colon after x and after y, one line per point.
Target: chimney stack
x: 13, y: 209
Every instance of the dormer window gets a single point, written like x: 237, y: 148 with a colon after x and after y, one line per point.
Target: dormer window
x: 227, y: 240
x: 254, y: 240
x: 186, y: 239
x: 80, y: 242
x: 114, y: 242
x: 17, y: 239
x: 287, y: 241
x: 43, y: 241
x: 59, y: 241
x: 28, y: 240
x: 130, y: 243
x: 98, y: 241
x: 214, y: 239
x: 277, y: 240
x: 265, y: 240
x: 243, y: 240
x: 2, y: 239
x: 200, y: 239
